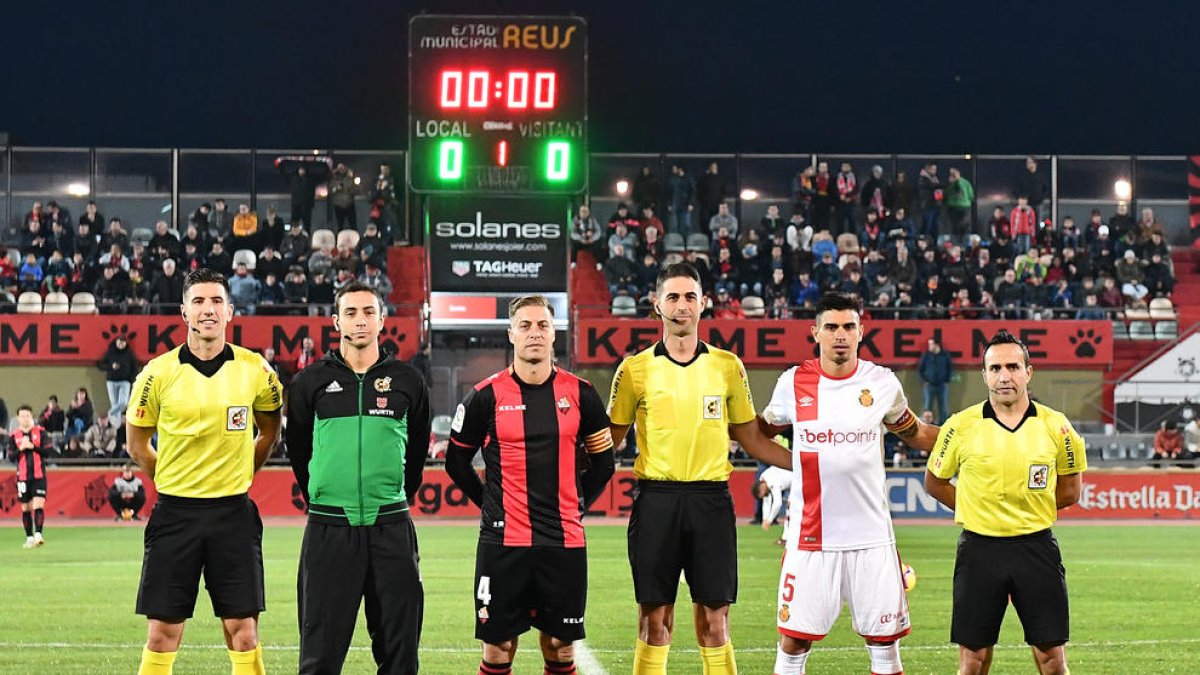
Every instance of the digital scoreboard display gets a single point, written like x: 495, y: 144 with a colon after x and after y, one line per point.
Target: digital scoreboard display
x: 497, y: 104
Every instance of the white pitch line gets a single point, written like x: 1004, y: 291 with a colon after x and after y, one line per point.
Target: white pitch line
x: 586, y: 661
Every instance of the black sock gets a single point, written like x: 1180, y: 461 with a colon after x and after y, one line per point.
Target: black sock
x: 39, y: 519
x: 27, y: 521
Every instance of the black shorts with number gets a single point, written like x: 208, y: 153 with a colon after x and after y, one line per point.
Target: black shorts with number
x: 989, y: 570
x: 28, y: 489
x: 541, y: 586
x: 684, y: 527
x: 218, y: 538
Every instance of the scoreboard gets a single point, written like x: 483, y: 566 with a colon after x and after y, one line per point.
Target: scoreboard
x: 497, y: 105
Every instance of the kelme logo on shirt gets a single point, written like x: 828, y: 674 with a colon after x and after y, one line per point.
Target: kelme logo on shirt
x: 712, y: 407
x: 237, y: 418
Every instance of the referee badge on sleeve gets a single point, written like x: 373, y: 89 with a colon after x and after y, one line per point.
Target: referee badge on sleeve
x: 237, y: 418
x: 1039, y: 476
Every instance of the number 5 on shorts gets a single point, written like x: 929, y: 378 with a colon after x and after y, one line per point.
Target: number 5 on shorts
x: 789, y: 589
x: 484, y: 592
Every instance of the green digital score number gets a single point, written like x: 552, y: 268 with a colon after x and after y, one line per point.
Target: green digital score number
x: 451, y: 156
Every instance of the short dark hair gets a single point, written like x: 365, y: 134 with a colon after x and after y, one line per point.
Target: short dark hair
x: 1003, y: 337
x: 24, y: 406
x: 679, y: 269
x: 355, y: 287
x: 205, y: 275
x: 837, y: 301
x: 528, y: 301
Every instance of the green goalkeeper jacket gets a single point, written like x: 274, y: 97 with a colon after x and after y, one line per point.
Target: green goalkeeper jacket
x: 357, y: 442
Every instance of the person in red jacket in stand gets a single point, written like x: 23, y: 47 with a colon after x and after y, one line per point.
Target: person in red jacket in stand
x: 1024, y: 224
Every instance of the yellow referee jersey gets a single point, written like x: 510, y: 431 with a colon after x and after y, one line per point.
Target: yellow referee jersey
x: 1006, y: 477
x: 204, y: 421
x: 682, y: 411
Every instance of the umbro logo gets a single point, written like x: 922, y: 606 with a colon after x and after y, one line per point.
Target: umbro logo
x: 806, y: 402
x: 333, y: 388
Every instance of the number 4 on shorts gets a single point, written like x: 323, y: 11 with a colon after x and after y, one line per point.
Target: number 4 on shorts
x: 484, y: 592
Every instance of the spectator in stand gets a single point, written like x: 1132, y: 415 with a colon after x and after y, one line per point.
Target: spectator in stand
x: 721, y: 239
x: 651, y: 221
x: 61, y: 238
x: 803, y: 190
x: 166, y: 293
x: 647, y: 189
x: 1122, y: 221
x: 87, y: 242
x: 191, y: 258
x: 1060, y: 299
x: 903, y: 268
x: 244, y: 234
x: 220, y: 219
x: 1000, y: 223
x: 585, y: 234
x: 1168, y: 445
x: 296, y: 246
x: 652, y: 243
x: 620, y: 272
x: 960, y: 199
x: 1130, y: 276
x: 100, y: 438
x: 929, y: 192
x: 624, y: 239
x: 377, y: 280
x: 1091, y: 309
x: 1029, y: 264
x: 127, y: 495
x: 882, y: 286
x: 303, y: 183
x: 244, y: 290
x: 1037, y: 297
x: 308, y: 354
x: 201, y: 219
x: 681, y: 193
x: 928, y: 265
x: 1092, y: 233
x: 725, y: 306
x: 1147, y: 225
x: 53, y: 417
x: 622, y: 216
x: 1159, y: 280
x: 58, y: 214
x: 1010, y: 295
x: 726, y: 273
x: 750, y: 257
x: 936, y: 370
x: 295, y: 288
x: 824, y: 198
x: 372, y: 249
x: 33, y: 241
x: 269, y: 262
x: 270, y: 229
x: 1191, y: 431
x: 1070, y: 236
x: 1155, y: 245
x: 1032, y: 186
x: 343, y: 186
x: 383, y: 202
x: 92, y: 217
x: 775, y: 286
x: 723, y: 219
x: 772, y: 222
x: 1103, y: 254
x: 875, y: 195
x: 164, y: 237
x: 219, y: 260
x: 805, y: 291
x: 647, y: 274
x: 872, y: 236
x: 112, y: 290
x: 115, y: 258
x: 1024, y: 224
x: 320, y: 290
x: 826, y: 273
x: 79, y: 413
x: 120, y: 367
x: 854, y: 283
x: 1047, y: 237
x: 270, y: 294
x: 874, y: 264
x: 711, y: 192
x: 192, y: 235
x: 58, y: 272
x: 846, y: 208
x: 1110, y: 294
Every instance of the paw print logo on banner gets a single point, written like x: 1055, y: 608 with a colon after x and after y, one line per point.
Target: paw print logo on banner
x: 1085, y: 342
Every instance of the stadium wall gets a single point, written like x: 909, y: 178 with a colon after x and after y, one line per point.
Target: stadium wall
x: 34, y: 384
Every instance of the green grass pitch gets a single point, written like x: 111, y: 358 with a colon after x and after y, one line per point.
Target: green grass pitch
x: 68, y: 607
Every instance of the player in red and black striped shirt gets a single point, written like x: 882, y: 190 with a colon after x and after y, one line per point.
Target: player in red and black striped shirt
x: 27, y: 446
x: 547, y: 455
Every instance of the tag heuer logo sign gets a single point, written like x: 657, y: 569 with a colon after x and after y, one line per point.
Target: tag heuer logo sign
x: 461, y: 267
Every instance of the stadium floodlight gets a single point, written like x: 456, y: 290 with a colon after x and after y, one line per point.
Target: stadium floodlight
x: 749, y: 195
x: 622, y: 187
x: 1123, y: 189
x: 78, y: 190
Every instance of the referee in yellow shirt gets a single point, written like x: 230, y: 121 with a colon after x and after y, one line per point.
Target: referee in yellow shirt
x: 688, y: 398
x: 204, y: 399
x: 1017, y: 463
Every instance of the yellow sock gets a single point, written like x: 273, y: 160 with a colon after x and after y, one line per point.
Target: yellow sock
x: 156, y: 663
x: 248, y: 662
x: 650, y: 659
x: 718, y: 660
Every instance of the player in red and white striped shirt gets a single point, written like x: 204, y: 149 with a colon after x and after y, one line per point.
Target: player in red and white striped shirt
x: 840, y: 545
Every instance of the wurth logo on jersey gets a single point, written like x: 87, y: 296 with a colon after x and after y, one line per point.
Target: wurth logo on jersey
x: 831, y: 437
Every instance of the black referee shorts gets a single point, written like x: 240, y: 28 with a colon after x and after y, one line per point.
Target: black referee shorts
x: 684, y: 527
x: 220, y: 538
x: 990, y: 570
x: 521, y: 586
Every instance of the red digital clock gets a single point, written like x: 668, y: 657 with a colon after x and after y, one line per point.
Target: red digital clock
x: 497, y: 104
x: 514, y: 89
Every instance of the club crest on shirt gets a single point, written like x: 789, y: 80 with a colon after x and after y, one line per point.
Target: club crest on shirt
x: 1039, y: 476
x: 563, y: 405
x: 712, y: 407
x: 460, y: 414
x: 237, y: 418
x: 383, y: 384
x: 865, y: 398
x: 785, y: 613
x: 381, y: 402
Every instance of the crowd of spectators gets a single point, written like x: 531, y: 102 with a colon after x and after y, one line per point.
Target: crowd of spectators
x: 274, y: 267
x: 907, y: 250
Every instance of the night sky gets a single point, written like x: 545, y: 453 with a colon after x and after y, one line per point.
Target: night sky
x: 694, y: 76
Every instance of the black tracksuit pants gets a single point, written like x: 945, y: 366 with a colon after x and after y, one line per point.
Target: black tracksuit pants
x: 341, y: 565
